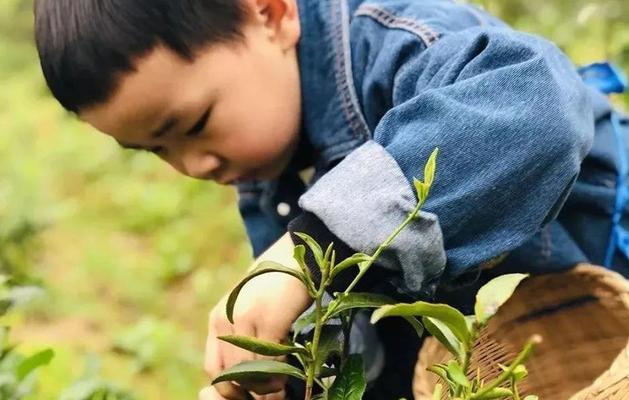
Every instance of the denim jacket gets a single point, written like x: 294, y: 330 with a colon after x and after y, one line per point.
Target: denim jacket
x: 385, y: 82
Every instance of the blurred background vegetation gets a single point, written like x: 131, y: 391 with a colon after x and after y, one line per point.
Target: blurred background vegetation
x: 128, y: 256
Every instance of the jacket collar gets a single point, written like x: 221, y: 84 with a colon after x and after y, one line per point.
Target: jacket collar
x: 331, y: 116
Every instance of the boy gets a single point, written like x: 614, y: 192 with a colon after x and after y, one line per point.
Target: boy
x: 254, y: 93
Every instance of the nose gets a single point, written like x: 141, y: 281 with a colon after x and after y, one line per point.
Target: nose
x: 200, y: 165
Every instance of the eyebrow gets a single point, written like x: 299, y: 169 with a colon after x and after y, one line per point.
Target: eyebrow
x: 158, y: 133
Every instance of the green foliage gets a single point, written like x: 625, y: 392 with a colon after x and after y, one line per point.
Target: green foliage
x: 94, y: 389
x: 258, y: 370
x: 351, y: 383
x: 263, y: 347
x: 350, y: 301
x: 265, y: 267
x: 18, y: 372
x: 449, y: 316
x: 458, y: 334
x: 149, y: 344
x: 493, y: 295
x: 423, y: 188
x: 326, y: 339
x: 455, y: 331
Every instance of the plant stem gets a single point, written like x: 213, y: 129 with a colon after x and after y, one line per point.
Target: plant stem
x: 521, y: 358
x: 315, y: 346
x: 514, y: 389
x: 383, y: 246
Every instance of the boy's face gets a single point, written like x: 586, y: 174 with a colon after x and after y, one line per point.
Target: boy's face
x: 231, y: 114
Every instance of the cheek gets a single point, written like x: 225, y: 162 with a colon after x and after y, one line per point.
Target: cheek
x: 259, y: 133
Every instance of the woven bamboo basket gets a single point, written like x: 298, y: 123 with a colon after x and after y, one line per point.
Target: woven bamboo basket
x: 583, y: 318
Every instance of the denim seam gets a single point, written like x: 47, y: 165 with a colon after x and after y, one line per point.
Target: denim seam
x: 343, y: 71
x: 390, y: 20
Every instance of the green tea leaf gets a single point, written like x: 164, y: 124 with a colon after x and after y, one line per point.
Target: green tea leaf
x: 450, y: 316
x: 442, y: 372
x: 496, y: 393
x: 456, y: 374
x: 422, y: 190
x: 417, y: 326
x: 350, y: 262
x: 33, y: 362
x: 494, y: 294
x: 431, y: 167
x: 520, y: 372
x: 258, y: 370
x: 444, y: 335
x: 265, y: 267
x: 299, y: 254
x: 351, y: 383
x: 305, y: 321
x: 531, y: 397
x: 329, y: 344
x: 352, y: 300
x: 316, y: 250
x: 328, y: 254
x: 262, y: 347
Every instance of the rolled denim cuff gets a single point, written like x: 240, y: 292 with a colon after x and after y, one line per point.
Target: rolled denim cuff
x: 363, y: 200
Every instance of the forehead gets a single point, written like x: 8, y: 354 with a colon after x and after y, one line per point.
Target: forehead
x: 162, y: 83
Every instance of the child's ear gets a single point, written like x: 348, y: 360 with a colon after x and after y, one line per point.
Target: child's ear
x: 280, y: 18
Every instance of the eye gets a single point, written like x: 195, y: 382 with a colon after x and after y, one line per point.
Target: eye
x: 198, y: 128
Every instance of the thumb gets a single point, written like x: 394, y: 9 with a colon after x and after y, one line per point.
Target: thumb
x: 209, y: 393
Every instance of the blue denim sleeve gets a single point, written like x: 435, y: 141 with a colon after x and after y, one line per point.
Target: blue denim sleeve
x: 513, y: 122
x: 262, y: 229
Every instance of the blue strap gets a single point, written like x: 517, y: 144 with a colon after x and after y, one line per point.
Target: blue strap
x: 619, y: 236
x: 605, y: 77
x: 609, y: 79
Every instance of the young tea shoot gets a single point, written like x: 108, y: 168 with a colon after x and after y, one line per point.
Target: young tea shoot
x: 345, y: 380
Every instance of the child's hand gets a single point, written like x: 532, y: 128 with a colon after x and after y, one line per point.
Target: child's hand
x: 266, y: 308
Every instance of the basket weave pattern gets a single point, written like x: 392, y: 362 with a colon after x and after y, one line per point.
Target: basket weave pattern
x: 583, y: 317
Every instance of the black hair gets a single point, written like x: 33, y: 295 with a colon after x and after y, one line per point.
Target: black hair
x: 86, y: 45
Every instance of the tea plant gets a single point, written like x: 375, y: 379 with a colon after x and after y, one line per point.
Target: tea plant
x: 345, y: 379
x: 17, y: 372
x: 458, y: 334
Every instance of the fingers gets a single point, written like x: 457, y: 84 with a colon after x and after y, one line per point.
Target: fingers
x: 220, y: 355
x: 281, y: 395
x: 223, y: 391
x: 231, y: 391
x: 214, y: 358
x: 273, y: 385
x: 233, y: 355
x: 210, y: 393
x: 267, y: 387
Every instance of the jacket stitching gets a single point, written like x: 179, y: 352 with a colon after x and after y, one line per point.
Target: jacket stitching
x: 390, y: 20
x: 343, y: 69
